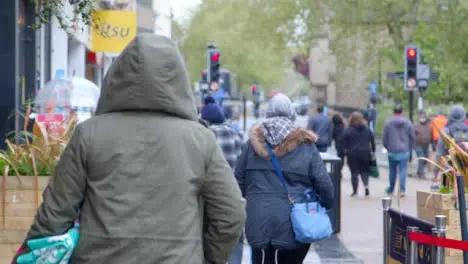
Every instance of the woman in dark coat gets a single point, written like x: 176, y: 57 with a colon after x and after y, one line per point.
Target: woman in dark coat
x: 338, y: 128
x: 268, y: 228
x: 358, y: 144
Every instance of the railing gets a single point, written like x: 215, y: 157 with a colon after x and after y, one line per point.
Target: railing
x: 411, y: 240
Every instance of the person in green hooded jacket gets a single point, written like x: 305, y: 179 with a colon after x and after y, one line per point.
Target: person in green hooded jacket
x: 146, y: 180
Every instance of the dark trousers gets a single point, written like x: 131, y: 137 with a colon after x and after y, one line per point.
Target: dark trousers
x: 270, y: 255
x: 359, y: 165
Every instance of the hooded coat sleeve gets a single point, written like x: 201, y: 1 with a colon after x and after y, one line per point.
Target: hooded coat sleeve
x: 64, y: 194
x: 224, y: 209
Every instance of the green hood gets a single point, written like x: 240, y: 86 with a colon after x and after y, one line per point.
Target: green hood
x: 149, y: 75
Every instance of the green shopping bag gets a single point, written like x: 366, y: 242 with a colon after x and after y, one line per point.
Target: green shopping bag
x: 373, y: 167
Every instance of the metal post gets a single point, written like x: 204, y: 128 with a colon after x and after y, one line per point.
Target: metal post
x: 412, y: 249
x: 386, y: 204
x: 421, y: 101
x: 17, y: 74
x: 462, y: 211
x: 437, y: 253
x: 441, y: 222
x: 410, y: 105
x: 411, y: 108
x: 244, y: 105
x: 441, y: 226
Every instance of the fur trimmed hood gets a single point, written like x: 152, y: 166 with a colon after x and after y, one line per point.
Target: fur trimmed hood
x: 293, y: 140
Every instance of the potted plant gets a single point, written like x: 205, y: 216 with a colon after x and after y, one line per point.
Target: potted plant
x: 26, y: 164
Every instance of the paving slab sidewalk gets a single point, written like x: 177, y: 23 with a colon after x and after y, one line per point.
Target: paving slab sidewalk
x: 362, y: 217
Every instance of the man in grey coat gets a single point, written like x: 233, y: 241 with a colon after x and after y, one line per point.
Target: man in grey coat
x: 398, y: 139
x: 147, y: 181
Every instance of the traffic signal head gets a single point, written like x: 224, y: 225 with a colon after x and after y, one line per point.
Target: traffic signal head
x: 215, y: 63
x: 411, y: 53
x: 203, y: 74
x: 411, y: 67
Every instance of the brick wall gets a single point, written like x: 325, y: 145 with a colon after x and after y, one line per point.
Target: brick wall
x: 17, y: 217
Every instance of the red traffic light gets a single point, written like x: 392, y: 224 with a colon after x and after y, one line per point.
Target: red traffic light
x: 411, y: 53
x: 215, y: 57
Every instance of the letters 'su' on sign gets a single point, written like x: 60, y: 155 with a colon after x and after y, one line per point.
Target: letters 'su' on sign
x: 112, y: 30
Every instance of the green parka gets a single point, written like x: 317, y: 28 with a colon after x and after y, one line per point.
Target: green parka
x: 150, y: 181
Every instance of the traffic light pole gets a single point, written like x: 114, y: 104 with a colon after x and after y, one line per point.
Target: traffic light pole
x: 421, y: 100
x: 410, y: 105
x: 211, y: 46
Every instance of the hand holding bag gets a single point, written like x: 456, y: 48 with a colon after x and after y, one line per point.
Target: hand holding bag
x: 310, y: 220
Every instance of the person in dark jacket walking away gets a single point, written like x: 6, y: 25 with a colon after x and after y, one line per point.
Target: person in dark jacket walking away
x: 268, y: 228
x: 423, y: 139
x: 358, y: 144
x: 323, y: 127
x: 338, y: 128
x: 398, y: 139
x: 230, y: 142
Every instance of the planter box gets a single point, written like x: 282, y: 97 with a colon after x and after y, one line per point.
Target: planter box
x: 431, y: 204
x: 20, y: 209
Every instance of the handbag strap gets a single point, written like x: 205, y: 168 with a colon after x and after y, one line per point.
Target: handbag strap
x: 279, y: 171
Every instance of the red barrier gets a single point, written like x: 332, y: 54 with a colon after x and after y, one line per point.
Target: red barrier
x: 438, y: 241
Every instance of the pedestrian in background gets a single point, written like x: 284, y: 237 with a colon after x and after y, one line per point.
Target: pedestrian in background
x: 398, y: 139
x: 230, y: 143
x: 146, y: 180
x: 321, y: 125
x: 269, y: 229
x: 358, y: 145
x: 423, y: 139
x: 339, y: 126
x: 235, y: 120
x: 438, y: 123
x: 456, y: 129
x: 371, y: 116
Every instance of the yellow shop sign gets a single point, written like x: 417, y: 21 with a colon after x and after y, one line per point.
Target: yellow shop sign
x: 112, y: 30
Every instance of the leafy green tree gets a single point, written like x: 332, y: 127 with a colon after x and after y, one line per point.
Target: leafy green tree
x: 383, y: 28
x: 248, y: 35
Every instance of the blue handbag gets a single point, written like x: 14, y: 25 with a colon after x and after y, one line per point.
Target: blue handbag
x: 310, y: 220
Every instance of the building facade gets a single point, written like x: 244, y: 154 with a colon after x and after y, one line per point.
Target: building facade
x: 29, y: 58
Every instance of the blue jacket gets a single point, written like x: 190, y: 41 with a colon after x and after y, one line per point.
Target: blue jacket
x: 268, y: 208
x: 323, y: 127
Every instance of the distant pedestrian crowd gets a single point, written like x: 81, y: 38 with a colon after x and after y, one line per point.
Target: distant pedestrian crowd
x: 354, y: 141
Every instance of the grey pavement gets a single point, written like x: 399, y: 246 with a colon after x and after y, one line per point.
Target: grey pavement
x: 360, y: 240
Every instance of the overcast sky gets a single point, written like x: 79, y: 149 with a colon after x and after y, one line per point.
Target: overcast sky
x: 181, y: 8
